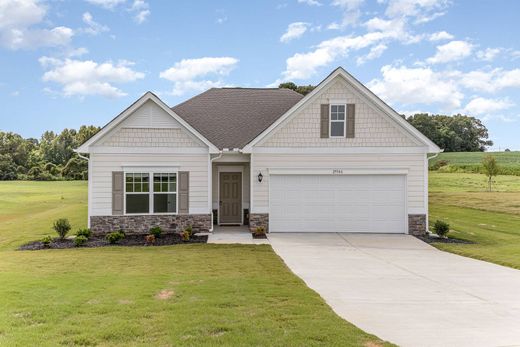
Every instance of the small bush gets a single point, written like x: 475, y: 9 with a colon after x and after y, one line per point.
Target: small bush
x: 156, y: 231
x: 260, y: 230
x: 115, y: 236
x: 189, y: 229
x: 80, y: 240
x: 185, y: 235
x: 84, y: 232
x: 441, y: 228
x: 47, y: 240
x: 62, y: 227
x: 439, y: 163
x: 150, y: 239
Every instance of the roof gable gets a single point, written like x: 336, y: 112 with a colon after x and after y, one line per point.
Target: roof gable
x: 363, y: 92
x: 154, y: 114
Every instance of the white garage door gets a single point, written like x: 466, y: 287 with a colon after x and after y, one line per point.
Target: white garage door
x: 337, y: 203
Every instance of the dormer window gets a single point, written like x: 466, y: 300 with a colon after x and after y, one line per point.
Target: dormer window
x: 338, y: 122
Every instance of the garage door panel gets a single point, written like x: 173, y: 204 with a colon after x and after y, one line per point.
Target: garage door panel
x: 325, y: 203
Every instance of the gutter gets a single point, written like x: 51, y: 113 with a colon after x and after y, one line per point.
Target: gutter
x: 435, y: 155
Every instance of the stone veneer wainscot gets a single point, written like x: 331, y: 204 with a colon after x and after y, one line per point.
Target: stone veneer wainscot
x: 141, y: 224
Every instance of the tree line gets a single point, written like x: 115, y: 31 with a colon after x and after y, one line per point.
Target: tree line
x: 51, y: 157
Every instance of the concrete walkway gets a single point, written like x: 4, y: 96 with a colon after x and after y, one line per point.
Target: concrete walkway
x: 405, y: 291
x: 234, y: 234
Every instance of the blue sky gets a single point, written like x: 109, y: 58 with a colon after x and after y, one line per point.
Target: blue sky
x: 68, y: 63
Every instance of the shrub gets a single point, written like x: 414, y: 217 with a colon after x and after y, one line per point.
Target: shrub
x: 150, y: 239
x: 441, y: 228
x: 189, y: 229
x: 62, y: 227
x: 156, y: 231
x: 47, y: 240
x: 115, y: 236
x: 80, y: 240
x: 439, y: 163
x: 185, y: 235
x: 260, y: 230
x: 84, y: 232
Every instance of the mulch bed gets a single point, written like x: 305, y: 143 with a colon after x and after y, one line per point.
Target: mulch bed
x: 259, y: 236
x: 129, y: 240
x: 436, y: 239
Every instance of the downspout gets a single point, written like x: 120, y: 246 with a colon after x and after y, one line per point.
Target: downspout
x: 426, y: 172
x: 211, y: 187
x: 89, y: 196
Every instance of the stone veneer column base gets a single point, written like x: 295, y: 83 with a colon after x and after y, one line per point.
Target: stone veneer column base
x: 141, y: 224
x: 417, y: 224
x: 258, y: 220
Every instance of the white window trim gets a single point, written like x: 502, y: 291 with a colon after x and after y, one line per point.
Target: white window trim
x: 337, y: 121
x: 151, y: 192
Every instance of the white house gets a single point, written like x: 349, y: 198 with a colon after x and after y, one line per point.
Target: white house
x: 337, y: 160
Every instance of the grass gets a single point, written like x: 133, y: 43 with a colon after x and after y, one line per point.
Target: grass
x: 471, y: 162
x: 160, y: 296
x: 489, y: 219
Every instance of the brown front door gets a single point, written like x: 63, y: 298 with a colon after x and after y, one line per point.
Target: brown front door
x: 230, y: 198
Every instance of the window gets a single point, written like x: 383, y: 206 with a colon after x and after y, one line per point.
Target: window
x: 164, y: 193
x: 137, y: 193
x: 337, y: 120
x: 142, y: 197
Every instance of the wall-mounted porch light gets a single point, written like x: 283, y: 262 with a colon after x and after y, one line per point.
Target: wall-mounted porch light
x: 260, y: 177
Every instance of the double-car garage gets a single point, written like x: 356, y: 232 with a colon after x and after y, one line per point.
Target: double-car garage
x: 363, y: 203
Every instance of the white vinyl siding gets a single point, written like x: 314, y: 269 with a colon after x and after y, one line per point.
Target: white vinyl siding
x: 414, y: 163
x: 102, y: 166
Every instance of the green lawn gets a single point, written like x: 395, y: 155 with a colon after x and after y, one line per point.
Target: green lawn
x: 147, y: 296
x: 490, y: 219
x: 509, y: 162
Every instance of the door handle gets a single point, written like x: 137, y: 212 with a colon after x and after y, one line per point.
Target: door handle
x: 220, y: 202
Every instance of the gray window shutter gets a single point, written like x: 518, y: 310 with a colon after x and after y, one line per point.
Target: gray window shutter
x: 324, y: 121
x: 184, y: 192
x: 351, y: 120
x: 118, y: 192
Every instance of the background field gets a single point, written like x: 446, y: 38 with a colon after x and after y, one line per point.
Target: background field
x: 489, y: 219
x: 509, y: 162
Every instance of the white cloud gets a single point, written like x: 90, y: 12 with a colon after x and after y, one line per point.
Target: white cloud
x: 107, y: 4
x: 423, y: 10
x: 310, y: 2
x: 190, y: 74
x: 351, y: 12
x: 304, y: 65
x: 86, y: 77
x: 488, y: 54
x: 17, y: 21
x: 142, y: 10
x: 416, y: 86
x: 490, y: 81
x: 294, y: 31
x: 452, y: 51
x: 440, y: 35
x: 93, y: 27
x: 481, y: 106
x: 375, y: 52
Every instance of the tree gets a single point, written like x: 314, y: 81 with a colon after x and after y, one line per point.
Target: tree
x: 458, y: 133
x: 490, y: 166
x: 7, y: 168
x: 304, y: 90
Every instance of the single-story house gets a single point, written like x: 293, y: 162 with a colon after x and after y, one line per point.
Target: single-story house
x: 336, y: 160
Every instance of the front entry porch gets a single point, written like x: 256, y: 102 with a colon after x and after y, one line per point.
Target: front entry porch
x: 239, y: 234
x: 230, y: 192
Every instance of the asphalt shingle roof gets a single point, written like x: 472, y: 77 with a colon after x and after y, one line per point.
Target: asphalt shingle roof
x: 232, y: 117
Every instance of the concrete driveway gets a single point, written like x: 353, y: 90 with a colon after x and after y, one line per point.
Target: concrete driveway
x: 405, y: 291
